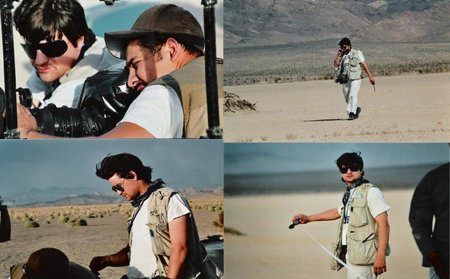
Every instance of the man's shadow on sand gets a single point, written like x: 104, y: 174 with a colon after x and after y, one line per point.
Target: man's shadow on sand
x: 328, y: 119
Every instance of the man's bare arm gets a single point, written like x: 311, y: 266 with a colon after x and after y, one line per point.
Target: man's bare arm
x: 118, y: 259
x: 328, y: 215
x: 178, y: 238
x: 379, y: 266
x: 28, y: 128
x: 369, y: 74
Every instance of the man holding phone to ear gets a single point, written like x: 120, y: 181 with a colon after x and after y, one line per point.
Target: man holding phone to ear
x: 347, y: 64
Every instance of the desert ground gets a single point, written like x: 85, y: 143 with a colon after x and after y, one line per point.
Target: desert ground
x: 268, y: 249
x: 105, y: 233
x: 413, y: 108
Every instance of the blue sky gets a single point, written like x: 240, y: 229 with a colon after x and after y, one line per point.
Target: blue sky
x: 241, y: 158
x: 68, y: 163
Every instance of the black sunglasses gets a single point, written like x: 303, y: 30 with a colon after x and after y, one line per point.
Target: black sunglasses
x: 117, y: 188
x: 50, y: 49
x: 344, y: 169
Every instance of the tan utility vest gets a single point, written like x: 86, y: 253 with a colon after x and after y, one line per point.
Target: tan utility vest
x: 360, y: 227
x: 197, y: 264
x: 190, y: 84
x: 354, y: 66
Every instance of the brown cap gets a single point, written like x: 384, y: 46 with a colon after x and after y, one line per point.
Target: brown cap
x: 167, y: 19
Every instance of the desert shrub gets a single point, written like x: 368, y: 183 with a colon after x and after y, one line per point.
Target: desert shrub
x: 92, y: 215
x: 76, y: 222
x: 31, y: 224
x: 63, y: 219
x: 219, y: 222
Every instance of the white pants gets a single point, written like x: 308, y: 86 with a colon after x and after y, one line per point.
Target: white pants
x: 350, y: 90
x: 363, y: 271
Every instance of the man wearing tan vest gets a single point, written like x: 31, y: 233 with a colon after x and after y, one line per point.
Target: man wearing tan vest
x: 163, y: 238
x: 363, y: 231
x: 164, y: 55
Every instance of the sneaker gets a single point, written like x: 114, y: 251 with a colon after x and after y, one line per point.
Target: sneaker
x: 351, y: 116
x: 358, y: 110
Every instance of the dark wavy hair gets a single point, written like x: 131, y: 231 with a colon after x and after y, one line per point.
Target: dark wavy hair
x: 37, y: 20
x: 154, y: 42
x: 122, y: 164
x: 350, y: 159
x: 345, y: 41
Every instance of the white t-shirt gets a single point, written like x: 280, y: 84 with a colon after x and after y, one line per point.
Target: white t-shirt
x: 158, y: 110
x: 142, y: 261
x: 346, y: 57
x: 375, y: 202
x: 66, y: 94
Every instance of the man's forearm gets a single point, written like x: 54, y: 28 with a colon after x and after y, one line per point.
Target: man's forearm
x: 176, y: 261
x: 328, y: 215
x: 366, y: 69
x: 120, y: 258
x: 383, y: 237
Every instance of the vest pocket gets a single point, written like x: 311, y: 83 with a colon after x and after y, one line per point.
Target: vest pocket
x: 361, y: 248
x: 157, y: 224
x: 358, y: 217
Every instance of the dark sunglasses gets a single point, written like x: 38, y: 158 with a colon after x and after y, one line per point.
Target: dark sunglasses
x: 345, y: 168
x: 50, y: 49
x: 117, y: 188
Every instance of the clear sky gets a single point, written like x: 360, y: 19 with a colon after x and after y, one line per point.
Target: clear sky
x: 243, y: 158
x: 68, y: 163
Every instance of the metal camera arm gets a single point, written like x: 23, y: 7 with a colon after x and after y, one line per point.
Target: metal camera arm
x: 9, y: 69
x: 214, y: 131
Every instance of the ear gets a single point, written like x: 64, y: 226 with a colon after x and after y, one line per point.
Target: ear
x: 80, y: 43
x: 132, y: 175
x: 174, y: 48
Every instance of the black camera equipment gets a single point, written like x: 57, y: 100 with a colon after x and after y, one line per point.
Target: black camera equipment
x: 11, y: 131
x: 341, y: 78
x: 5, y: 223
x: 102, y: 104
x: 214, y: 131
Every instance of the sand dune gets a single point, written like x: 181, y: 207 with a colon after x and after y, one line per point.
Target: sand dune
x: 102, y: 236
x: 270, y: 250
x: 413, y: 108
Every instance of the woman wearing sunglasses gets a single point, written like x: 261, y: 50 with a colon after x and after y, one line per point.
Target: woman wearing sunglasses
x: 363, y: 235
x: 61, y: 48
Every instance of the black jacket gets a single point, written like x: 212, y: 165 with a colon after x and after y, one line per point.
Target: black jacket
x: 431, y: 198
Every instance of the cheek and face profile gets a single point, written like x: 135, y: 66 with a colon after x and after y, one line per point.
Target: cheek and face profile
x: 350, y: 173
x: 124, y: 187
x: 47, y: 59
x: 144, y: 66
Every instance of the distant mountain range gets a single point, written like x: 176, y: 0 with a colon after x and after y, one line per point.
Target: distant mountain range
x: 85, y: 195
x: 269, y: 22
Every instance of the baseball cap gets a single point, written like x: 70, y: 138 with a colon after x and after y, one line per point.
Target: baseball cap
x: 167, y: 19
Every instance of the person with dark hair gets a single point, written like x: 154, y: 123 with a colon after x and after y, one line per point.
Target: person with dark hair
x: 62, y: 49
x: 430, y: 201
x: 164, y: 56
x: 363, y: 235
x: 163, y: 237
x: 348, y: 72
x: 49, y: 263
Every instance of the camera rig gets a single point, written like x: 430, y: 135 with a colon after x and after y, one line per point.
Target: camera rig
x: 92, y: 119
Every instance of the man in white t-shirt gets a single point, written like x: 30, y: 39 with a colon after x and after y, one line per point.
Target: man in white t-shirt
x: 165, y: 39
x: 364, y: 229
x: 163, y: 238
x: 348, y: 65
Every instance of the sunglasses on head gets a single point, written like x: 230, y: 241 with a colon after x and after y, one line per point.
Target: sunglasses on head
x: 344, y: 169
x: 50, y: 49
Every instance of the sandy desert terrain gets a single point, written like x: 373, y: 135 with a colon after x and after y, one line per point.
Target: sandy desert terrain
x: 102, y: 236
x: 413, y: 108
x: 270, y: 250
